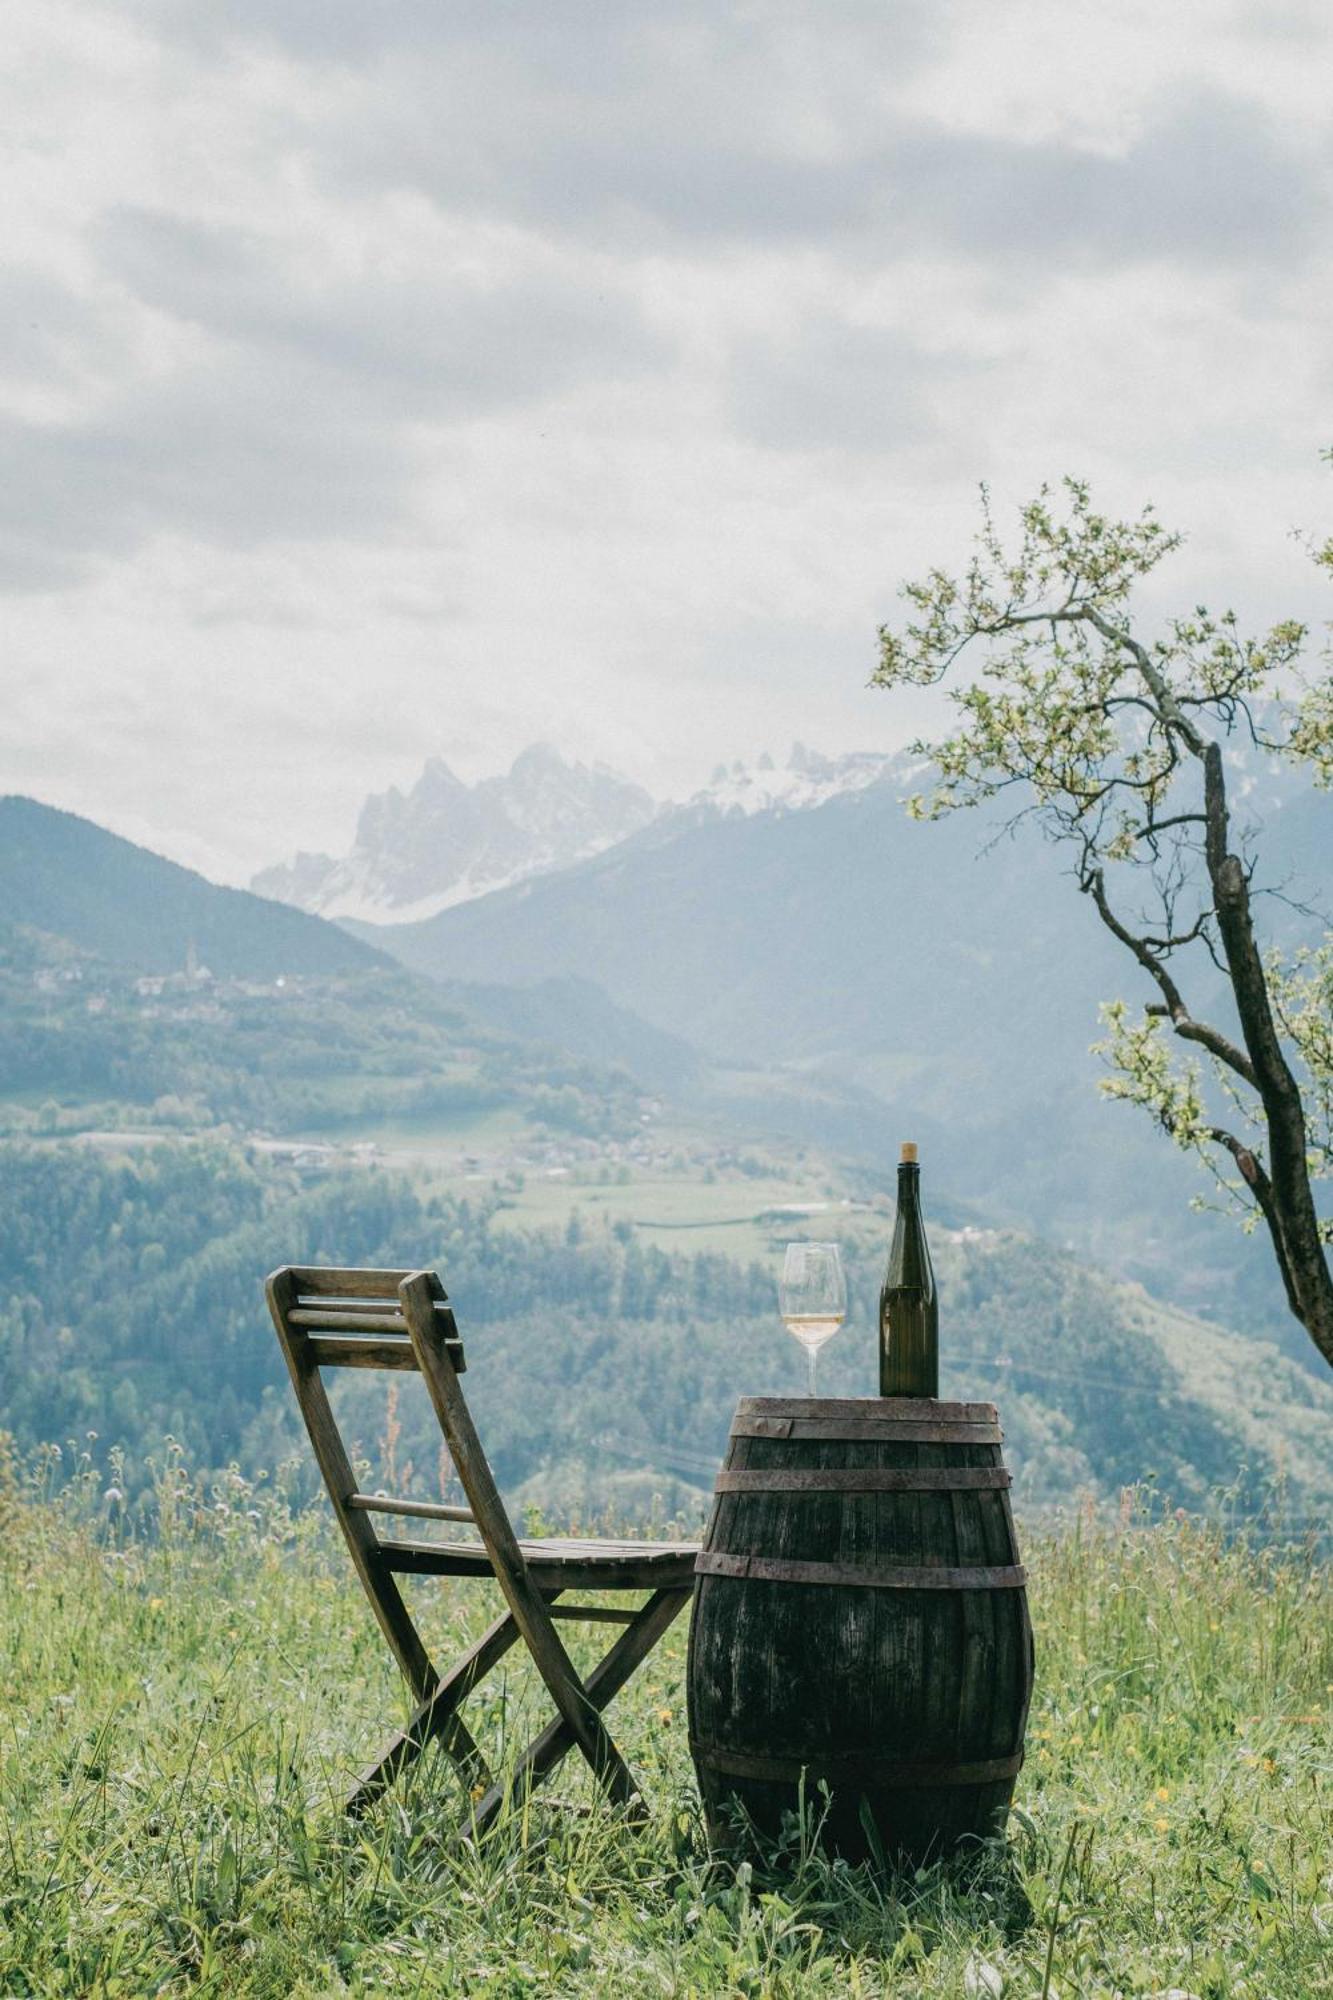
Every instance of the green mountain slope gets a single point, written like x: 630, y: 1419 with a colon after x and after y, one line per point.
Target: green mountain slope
x: 947, y: 973
x: 65, y: 876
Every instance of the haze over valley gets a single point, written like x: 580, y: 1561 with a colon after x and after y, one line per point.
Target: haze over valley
x: 604, y: 1095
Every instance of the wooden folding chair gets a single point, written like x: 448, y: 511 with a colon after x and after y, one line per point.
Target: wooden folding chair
x: 400, y: 1319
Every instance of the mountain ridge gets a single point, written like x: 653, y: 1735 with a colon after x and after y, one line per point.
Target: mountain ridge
x: 443, y: 841
x: 66, y: 876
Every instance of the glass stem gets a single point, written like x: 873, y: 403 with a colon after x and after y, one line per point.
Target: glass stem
x: 811, y: 1356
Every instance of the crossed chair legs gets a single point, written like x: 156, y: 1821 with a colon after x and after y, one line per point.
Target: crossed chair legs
x: 437, y: 1714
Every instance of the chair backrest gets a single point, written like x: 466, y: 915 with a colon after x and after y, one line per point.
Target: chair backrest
x: 354, y: 1319
x: 327, y: 1317
x: 391, y: 1319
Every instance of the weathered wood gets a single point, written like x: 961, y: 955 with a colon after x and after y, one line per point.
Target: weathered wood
x: 602, y: 1684
x: 323, y: 1282
x: 856, y: 1769
x: 846, y: 1430
x: 523, y: 1596
x: 550, y: 1565
x: 362, y: 1542
x: 422, y: 1510
x: 366, y: 1315
x: 358, y: 1329
x: 340, y: 1351
x: 347, y: 1320
x: 433, y: 1716
x: 863, y: 1576
x: 865, y: 1479
x: 860, y: 1616
x: 869, y: 1409
x: 593, y: 1614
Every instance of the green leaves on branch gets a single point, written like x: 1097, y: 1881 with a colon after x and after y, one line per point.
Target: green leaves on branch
x: 1117, y: 743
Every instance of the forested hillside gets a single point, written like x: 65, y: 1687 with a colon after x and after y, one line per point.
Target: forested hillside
x: 86, y: 1044
x: 602, y: 1372
x: 945, y: 975
x: 608, y: 1208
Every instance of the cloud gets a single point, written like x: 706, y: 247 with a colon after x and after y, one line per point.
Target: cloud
x: 515, y: 368
x: 644, y: 130
x: 440, y: 345
x: 835, y: 385
x: 230, y: 453
x: 1209, y: 181
x: 298, y: 401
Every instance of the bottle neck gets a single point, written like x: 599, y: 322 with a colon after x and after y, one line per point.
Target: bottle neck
x: 909, y: 1256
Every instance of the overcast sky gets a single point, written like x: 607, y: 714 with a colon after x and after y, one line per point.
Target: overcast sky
x: 384, y: 380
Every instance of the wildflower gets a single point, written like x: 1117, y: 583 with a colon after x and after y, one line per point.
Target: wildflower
x: 112, y: 1495
x: 1163, y: 1793
x: 1161, y: 1825
x: 155, y: 1603
x: 664, y: 1715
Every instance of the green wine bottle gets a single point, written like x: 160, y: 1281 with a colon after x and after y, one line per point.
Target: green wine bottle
x: 909, y: 1327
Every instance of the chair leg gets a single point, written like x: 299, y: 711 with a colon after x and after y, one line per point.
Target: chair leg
x: 418, y: 1295
x: 604, y: 1682
x: 437, y: 1715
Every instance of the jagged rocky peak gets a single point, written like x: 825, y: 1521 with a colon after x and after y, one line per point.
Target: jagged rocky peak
x: 445, y: 841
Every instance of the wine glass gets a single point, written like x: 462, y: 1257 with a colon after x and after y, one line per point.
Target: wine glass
x: 812, y: 1296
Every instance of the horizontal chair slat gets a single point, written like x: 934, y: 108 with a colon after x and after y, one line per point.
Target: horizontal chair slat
x: 547, y: 1572
x: 421, y: 1510
x: 592, y: 1614
x: 344, y: 1284
x: 336, y: 1350
x: 333, y: 1319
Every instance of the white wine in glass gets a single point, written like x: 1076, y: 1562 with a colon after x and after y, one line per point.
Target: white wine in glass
x: 812, y: 1297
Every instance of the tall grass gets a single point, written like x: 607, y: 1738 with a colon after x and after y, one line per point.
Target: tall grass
x: 183, y: 1697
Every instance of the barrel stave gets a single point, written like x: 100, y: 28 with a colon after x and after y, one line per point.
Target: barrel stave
x: 813, y: 1671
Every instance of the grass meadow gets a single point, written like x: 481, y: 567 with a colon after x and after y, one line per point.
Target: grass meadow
x: 183, y: 1695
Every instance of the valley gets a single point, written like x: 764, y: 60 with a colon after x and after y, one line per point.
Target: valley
x: 604, y: 1148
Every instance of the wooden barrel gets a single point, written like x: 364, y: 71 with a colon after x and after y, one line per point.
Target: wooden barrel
x: 860, y: 1617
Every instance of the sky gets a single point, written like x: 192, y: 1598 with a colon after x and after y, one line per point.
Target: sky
x: 425, y: 379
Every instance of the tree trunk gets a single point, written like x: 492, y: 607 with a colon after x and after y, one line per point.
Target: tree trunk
x: 1291, y: 1217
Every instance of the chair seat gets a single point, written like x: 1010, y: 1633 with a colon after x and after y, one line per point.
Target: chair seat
x: 563, y: 1563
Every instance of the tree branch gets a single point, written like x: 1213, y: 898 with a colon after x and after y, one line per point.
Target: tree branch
x: 1261, y: 1187
x: 1183, y: 1022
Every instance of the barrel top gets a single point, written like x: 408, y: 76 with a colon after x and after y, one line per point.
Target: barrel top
x: 889, y: 1410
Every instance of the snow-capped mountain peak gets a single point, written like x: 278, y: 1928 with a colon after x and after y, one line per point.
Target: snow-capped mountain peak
x: 445, y: 842
x: 807, y: 779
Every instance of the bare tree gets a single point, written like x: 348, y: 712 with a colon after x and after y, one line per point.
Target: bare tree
x: 1116, y: 744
